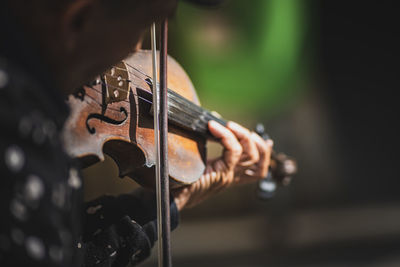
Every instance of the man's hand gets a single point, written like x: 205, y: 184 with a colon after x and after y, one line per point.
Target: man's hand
x: 245, y: 159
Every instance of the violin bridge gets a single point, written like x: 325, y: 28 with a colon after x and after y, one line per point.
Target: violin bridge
x: 116, y: 81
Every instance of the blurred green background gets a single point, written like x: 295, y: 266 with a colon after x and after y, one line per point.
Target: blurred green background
x: 243, y: 59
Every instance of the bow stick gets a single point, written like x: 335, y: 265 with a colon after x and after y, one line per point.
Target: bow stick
x: 161, y: 141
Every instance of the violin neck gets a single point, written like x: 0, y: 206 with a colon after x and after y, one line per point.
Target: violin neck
x: 188, y: 115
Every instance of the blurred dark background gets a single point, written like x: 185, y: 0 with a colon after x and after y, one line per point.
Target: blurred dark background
x: 321, y: 76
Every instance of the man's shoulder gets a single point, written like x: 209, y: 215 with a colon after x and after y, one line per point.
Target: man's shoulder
x: 20, y: 113
x: 23, y: 97
x: 39, y: 185
x: 27, y: 124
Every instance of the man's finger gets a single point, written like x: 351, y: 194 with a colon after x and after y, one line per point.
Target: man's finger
x: 233, y: 148
x: 264, y: 149
x: 250, y: 153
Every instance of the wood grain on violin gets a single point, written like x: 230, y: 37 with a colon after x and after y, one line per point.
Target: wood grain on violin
x: 122, y: 127
x: 114, y: 115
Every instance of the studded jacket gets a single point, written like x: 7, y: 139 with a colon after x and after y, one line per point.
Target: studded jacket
x: 43, y: 220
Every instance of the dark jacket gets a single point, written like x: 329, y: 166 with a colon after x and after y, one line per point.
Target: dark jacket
x: 44, y: 221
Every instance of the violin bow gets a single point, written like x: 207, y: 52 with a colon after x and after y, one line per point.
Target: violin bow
x: 161, y: 142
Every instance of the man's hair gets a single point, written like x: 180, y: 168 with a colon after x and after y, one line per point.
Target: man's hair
x: 122, y: 7
x: 114, y: 7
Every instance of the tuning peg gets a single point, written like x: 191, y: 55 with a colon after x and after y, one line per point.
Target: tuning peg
x: 260, y: 130
x: 267, y: 186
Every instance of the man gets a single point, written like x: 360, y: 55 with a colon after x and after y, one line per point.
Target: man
x: 47, y: 49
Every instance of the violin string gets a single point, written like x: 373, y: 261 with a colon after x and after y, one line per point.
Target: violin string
x: 193, y: 108
x: 116, y: 88
x: 100, y: 104
x: 207, y: 115
x: 135, y: 69
x: 127, y: 80
x: 134, y: 74
x: 129, y: 65
x: 182, y: 117
x: 137, y: 86
x: 122, y: 79
x: 126, y: 101
x: 141, y: 72
x: 97, y: 103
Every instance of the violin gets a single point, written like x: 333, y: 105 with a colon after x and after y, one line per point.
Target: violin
x: 114, y: 115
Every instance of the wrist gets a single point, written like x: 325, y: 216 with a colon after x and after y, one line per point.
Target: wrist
x: 181, y: 197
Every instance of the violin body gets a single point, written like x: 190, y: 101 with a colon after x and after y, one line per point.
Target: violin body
x: 114, y: 116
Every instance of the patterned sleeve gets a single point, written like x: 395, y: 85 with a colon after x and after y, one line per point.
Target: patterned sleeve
x: 37, y: 185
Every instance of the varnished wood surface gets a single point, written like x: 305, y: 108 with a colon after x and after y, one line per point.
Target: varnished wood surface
x: 131, y: 143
